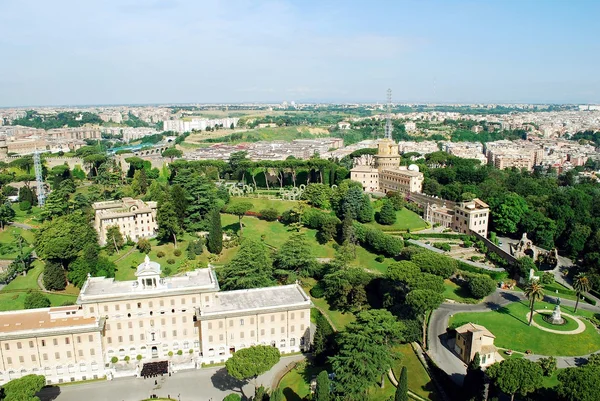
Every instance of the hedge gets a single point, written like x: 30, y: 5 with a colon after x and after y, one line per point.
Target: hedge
x: 438, y: 235
x: 498, y: 276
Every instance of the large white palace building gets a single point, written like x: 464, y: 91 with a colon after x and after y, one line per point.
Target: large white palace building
x: 186, y: 320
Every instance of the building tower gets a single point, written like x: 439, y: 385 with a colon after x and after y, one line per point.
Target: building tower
x: 39, y: 179
x: 387, y: 150
x: 3, y: 148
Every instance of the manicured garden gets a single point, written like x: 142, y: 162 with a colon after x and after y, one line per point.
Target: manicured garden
x: 510, y: 326
x: 259, y: 204
x: 9, y: 248
x: 406, y: 220
x: 570, y: 324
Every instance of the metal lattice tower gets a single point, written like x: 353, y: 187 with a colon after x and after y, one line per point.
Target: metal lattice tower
x: 388, y: 117
x: 39, y: 179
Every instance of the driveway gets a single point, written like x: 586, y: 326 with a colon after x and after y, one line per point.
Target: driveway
x: 440, y: 346
x: 192, y: 385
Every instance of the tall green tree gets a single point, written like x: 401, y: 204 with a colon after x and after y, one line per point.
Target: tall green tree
x: 533, y: 292
x: 139, y: 183
x: 277, y: 395
x: 516, y: 376
x: 62, y: 238
x: 365, y: 211
x: 215, y: 232
x: 365, y: 353
x: 239, y: 209
x: 581, y: 284
x: 387, y: 214
x: 507, y: 212
x: 35, y: 300
x: 114, y: 239
x: 54, y: 276
x: 24, y: 388
x: 168, y: 224
x: 180, y: 202
x: 57, y: 204
x: 294, y: 258
x: 7, y: 214
x: 172, y: 153
x: 323, y: 390
x: 402, y: 389
x: 251, y: 267
x: 579, y: 384
x: 423, y: 302
x: 345, y: 288
x: 249, y: 363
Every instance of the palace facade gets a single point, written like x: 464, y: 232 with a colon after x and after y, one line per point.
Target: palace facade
x: 184, y: 319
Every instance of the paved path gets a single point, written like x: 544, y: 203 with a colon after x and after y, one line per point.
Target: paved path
x: 192, y: 385
x: 21, y: 225
x: 580, y: 325
x: 439, y: 349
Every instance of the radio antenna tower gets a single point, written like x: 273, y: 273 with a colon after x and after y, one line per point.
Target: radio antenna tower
x: 39, y: 179
x: 388, y: 117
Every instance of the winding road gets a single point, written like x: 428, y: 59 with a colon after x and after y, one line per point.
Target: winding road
x: 445, y: 359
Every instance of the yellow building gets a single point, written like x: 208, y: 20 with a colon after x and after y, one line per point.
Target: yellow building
x: 136, y: 219
x: 387, y: 174
x: 473, y: 338
x: 185, y: 320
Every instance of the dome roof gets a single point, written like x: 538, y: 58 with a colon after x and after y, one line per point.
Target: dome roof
x: 413, y: 167
x: 147, y: 268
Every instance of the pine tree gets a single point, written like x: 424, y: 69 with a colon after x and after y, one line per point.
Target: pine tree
x: 365, y: 211
x: 402, y: 389
x: 54, y: 276
x: 215, y: 233
x: 386, y: 215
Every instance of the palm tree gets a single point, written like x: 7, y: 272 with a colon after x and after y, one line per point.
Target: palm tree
x: 581, y: 284
x: 534, y: 292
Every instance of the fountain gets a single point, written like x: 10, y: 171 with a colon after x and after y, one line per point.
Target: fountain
x: 555, y: 318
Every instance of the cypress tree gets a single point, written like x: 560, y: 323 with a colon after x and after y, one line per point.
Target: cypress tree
x: 365, y: 211
x: 387, y: 215
x: 402, y: 389
x: 215, y: 233
x: 54, y: 276
x: 322, y: 392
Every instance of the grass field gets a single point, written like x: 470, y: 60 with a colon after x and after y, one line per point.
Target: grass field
x: 339, y: 319
x: 296, y: 384
x: 12, y: 297
x: 27, y: 218
x: 405, y: 220
x: 9, y: 249
x: 457, y: 293
x: 569, y: 325
x: 510, y: 326
x: 418, y: 379
x: 264, y: 203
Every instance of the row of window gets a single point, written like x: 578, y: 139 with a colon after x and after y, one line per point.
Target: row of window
x: 119, y: 339
x: 54, y: 342
x: 57, y: 356
x: 262, y: 333
x: 117, y: 307
x: 141, y: 323
x: 262, y: 320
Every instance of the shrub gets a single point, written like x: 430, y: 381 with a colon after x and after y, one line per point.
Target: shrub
x: 430, y: 262
x: 160, y: 254
x: 25, y: 206
x: 139, y: 357
x: 177, y: 252
x: 127, y: 358
x: 476, y: 258
x: 34, y: 300
x: 180, y: 352
x: 171, y: 261
x: 467, y: 243
x: 547, y: 278
x: 114, y: 359
x: 481, y: 285
x: 317, y: 291
x: 548, y: 365
x: 170, y: 353
x: 380, y: 258
x: 268, y: 214
x: 444, y: 246
x: 387, y: 214
x: 167, y: 270
x: 144, y: 245
x: 191, y: 351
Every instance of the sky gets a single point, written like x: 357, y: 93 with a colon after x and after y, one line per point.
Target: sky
x: 55, y: 52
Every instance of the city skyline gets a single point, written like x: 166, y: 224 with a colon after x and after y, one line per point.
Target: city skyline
x: 165, y: 52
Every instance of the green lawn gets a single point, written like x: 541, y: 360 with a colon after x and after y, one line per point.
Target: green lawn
x: 296, y: 384
x: 259, y: 204
x: 405, y: 220
x: 9, y: 249
x: 457, y: 293
x: 339, y: 319
x: 418, y: 379
x: 25, y: 217
x: 510, y: 326
x: 15, y: 301
x: 569, y: 325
